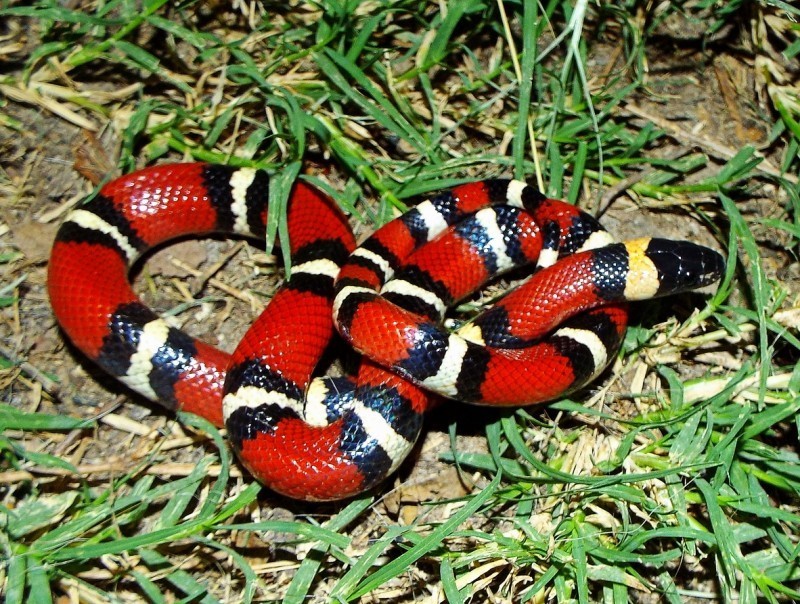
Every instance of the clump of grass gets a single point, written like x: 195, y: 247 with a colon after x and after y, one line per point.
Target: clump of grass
x: 657, y: 484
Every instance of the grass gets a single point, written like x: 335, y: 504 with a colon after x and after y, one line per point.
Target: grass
x: 675, y: 477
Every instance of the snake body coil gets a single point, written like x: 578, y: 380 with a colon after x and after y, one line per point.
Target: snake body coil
x: 329, y: 438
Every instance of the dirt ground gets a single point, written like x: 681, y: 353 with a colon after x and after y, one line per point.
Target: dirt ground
x: 705, y: 98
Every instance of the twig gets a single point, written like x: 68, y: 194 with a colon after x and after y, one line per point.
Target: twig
x: 715, y: 148
x: 50, y: 386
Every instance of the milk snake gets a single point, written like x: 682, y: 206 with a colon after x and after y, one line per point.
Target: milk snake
x: 332, y: 437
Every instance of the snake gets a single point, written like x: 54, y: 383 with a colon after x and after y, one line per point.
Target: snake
x: 330, y: 437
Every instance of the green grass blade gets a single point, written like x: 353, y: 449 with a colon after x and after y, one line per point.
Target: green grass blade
x: 401, y: 563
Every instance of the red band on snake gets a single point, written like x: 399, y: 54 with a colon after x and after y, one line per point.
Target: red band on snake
x: 330, y: 438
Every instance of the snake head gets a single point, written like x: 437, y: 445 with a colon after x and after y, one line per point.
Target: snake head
x: 683, y: 265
